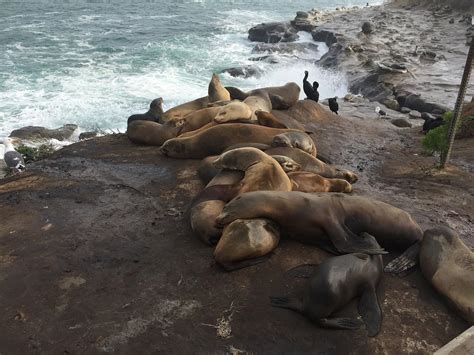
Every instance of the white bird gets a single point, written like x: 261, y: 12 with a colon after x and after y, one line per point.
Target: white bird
x: 380, y: 112
x: 13, y: 159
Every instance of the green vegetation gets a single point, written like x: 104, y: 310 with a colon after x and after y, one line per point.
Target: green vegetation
x: 436, y: 140
x: 31, y: 154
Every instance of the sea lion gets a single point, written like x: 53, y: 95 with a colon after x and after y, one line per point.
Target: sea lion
x: 334, y: 283
x: 268, y: 119
x: 244, y: 242
x: 298, y: 140
x: 215, y: 140
x: 258, y: 101
x: 208, y: 204
x: 312, y: 164
x: 236, y: 110
x: 281, y: 97
x: 319, y: 217
x: 448, y: 264
x: 178, y: 112
x: 262, y: 172
x: 306, y: 181
x: 216, y: 91
x: 197, y: 119
x: 288, y: 164
x: 154, y: 114
x: 152, y: 133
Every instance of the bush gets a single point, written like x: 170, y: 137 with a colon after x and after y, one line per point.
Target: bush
x: 436, y: 140
x: 31, y: 154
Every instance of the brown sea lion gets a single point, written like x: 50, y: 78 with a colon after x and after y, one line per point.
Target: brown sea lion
x: 216, y: 92
x: 258, y: 101
x: 448, y: 264
x: 298, y: 140
x: 152, y: 133
x: 198, y: 119
x: 233, y: 111
x: 319, y: 217
x: 334, y: 283
x: 270, y: 120
x: 154, y: 114
x: 262, y: 172
x: 215, y: 140
x: 178, y: 112
x: 312, y: 164
x: 306, y: 181
x: 244, y: 242
x: 281, y: 97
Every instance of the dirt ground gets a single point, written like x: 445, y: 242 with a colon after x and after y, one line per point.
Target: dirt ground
x: 97, y: 255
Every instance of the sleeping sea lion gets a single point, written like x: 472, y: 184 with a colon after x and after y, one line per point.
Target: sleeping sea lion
x: 258, y: 101
x: 215, y: 91
x: 233, y: 111
x: 334, y: 283
x: 298, y: 140
x: 152, y: 133
x: 306, y: 181
x: 244, y: 242
x: 312, y: 164
x: 197, y: 119
x: 215, y: 140
x: 154, y: 114
x: 270, y: 120
x: 281, y: 97
x: 338, y: 218
x: 448, y: 264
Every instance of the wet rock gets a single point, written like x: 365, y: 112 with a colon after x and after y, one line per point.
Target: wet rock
x: 395, y: 68
x: 400, y: 122
x: 273, y: 32
x: 333, y: 56
x: 302, y: 22
x: 414, y: 115
x: 32, y: 133
x: 242, y: 72
x: 367, y: 28
x: 265, y: 58
x: 87, y: 135
x: 391, y: 104
x: 325, y: 36
x: 284, y: 48
x: 451, y: 21
x: 372, y: 87
x: 427, y: 116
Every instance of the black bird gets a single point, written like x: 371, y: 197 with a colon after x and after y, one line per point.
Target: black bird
x: 333, y: 105
x: 153, y: 114
x: 432, y: 123
x: 308, y: 89
x: 315, y: 89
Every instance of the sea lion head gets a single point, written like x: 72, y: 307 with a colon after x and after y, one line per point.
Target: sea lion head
x: 298, y: 140
x: 233, y: 111
x: 173, y: 148
x: 287, y: 163
x: 239, y: 159
x: 156, y: 108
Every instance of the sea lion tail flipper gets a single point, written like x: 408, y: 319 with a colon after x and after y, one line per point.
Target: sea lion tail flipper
x: 347, y: 241
x: 244, y: 263
x: 287, y: 302
x: 340, y: 323
x: 404, y: 262
x: 303, y: 271
x: 370, y: 312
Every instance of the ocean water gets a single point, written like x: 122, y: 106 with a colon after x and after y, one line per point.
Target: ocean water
x: 94, y: 63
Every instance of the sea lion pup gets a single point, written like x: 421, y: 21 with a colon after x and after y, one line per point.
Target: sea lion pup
x: 305, y: 181
x: 334, y: 283
x: 312, y: 164
x: 319, y: 217
x: 216, y: 91
x: 281, y: 97
x: 244, y: 242
x: 215, y: 140
x: 152, y: 133
x: 298, y: 140
x: 154, y: 114
x: 236, y: 110
x: 262, y: 172
x: 448, y: 264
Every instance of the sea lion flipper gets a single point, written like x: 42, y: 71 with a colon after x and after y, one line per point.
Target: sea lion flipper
x: 244, y: 263
x: 286, y: 302
x: 347, y: 241
x: 340, y: 323
x: 404, y: 262
x: 370, y: 312
x: 303, y: 271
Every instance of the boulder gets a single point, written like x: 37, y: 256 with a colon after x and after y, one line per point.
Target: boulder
x: 414, y: 115
x: 427, y: 116
x: 273, y: 32
x: 325, y: 36
x: 367, y: 27
x: 404, y: 110
x: 32, y: 133
x: 87, y: 135
x: 391, y: 104
x: 400, y: 122
x: 242, y: 72
x: 302, y: 22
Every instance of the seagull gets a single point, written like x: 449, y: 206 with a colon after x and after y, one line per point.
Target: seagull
x: 13, y: 159
x: 380, y: 112
x: 333, y: 105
